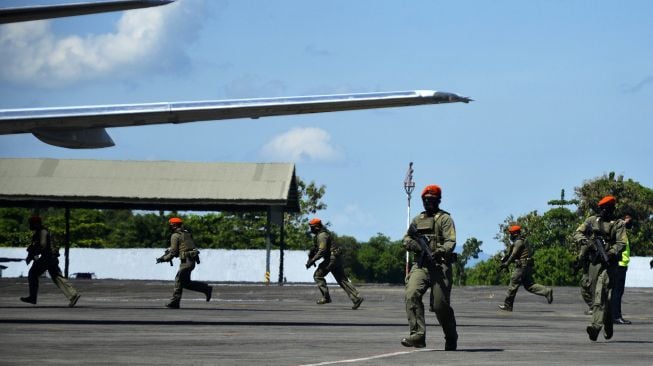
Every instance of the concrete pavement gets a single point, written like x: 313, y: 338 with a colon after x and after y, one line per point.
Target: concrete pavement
x: 124, y: 322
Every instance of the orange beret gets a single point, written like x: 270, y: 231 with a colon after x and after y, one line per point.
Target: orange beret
x: 432, y: 189
x: 175, y: 220
x: 514, y: 228
x: 34, y: 220
x: 315, y: 221
x: 607, y: 200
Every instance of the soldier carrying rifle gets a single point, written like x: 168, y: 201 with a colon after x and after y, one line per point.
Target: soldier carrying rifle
x: 432, y: 237
x: 324, y: 247
x: 603, y: 238
x: 520, y: 254
x: 45, y: 255
x: 183, y: 246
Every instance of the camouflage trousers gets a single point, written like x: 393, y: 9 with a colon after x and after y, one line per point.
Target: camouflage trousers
x: 338, y: 273
x: 588, y: 284
x: 438, y: 279
x: 601, y: 303
x: 183, y: 281
x: 52, y: 266
x: 524, y: 276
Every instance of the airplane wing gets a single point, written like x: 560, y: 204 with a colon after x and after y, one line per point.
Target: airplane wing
x: 84, y: 127
x: 27, y: 13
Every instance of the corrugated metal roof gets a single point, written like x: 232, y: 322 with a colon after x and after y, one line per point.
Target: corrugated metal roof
x: 147, y: 184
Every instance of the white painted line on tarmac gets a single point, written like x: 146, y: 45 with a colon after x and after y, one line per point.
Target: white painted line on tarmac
x: 385, y: 355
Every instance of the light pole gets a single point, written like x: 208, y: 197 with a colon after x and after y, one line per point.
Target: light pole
x: 409, y: 186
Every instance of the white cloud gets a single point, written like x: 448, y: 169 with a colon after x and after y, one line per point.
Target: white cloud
x: 154, y: 38
x: 300, y: 144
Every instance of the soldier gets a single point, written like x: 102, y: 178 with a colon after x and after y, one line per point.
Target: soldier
x: 183, y: 246
x: 45, y: 255
x: 325, y: 247
x: 605, y: 237
x: 434, y: 241
x: 620, y: 279
x: 519, y: 253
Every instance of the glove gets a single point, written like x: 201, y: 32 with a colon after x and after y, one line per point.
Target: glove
x: 308, y: 265
x: 439, y: 254
x: 503, y: 265
x: 159, y: 260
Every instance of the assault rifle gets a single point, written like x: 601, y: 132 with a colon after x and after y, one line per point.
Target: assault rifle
x: 160, y: 259
x: 599, y: 245
x: 425, y: 256
x: 311, y: 254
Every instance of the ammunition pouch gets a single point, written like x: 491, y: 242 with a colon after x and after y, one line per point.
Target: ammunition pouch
x: 191, y: 255
x: 522, y: 263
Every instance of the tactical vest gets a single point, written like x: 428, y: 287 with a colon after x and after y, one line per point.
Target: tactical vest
x: 603, y: 228
x: 429, y: 227
x: 50, y: 248
x: 522, y: 258
x: 331, y: 246
x: 187, y: 248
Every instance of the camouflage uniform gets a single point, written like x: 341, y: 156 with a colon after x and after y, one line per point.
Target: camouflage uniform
x: 614, y: 234
x: 519, y: 253
x: 46, y: 258
x: 435, y: 275
x: 183, y: 246
x: 325, y: 247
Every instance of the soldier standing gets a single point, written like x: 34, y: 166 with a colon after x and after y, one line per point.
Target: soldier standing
x: 437, y: 227
x: 605, y: 237
x: 519, y: 253
x: 45, y: 255
x: 183, y: 246
x: 620, y: 278
x: 325, y: 247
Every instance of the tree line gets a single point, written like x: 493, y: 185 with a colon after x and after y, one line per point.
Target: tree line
x: 378, y: 260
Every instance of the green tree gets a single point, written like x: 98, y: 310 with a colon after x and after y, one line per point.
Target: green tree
x: 471, y: 249
x: 487, y: 273
x: 380, y: 260
x: 13, y: 227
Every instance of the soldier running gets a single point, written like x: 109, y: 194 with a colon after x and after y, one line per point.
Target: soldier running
x: 183, y: 246
x: 325, y: 247
x: 45, y: 255
x: 437, y: 227
x: 605, y: 237
x: 519, y: 253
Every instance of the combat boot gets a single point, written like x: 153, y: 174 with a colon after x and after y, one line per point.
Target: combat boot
x: 173, y: 305
x: 357, y: 303
x: 419, y: 343
x: 593, y: 332
x: 505, y: 307
x: 73, y: 300
x: 324, y: 300
x: 549, y: 296
x: 29, y: 300
x: 607, y: 330
x: 209, y: 293
x: 451, y: 344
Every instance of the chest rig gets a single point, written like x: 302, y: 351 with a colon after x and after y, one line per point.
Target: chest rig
x: 427, y: 226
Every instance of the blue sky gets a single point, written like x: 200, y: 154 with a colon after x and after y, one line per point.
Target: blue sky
x: 562, y: 91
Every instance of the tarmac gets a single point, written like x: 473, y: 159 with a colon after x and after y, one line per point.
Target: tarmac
x: 120, y: 322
